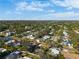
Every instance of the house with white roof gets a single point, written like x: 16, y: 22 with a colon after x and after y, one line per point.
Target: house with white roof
x: 10, y: 41
x: 46, y: 37
x: 68, y: 43
x: 65, y: 33
x: 54, y: 51
x: 3, y: 50
x: 30, y: 37
x: 24, y: 58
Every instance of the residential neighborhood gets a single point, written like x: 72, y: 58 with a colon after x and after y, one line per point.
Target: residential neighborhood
x: 39, y: 40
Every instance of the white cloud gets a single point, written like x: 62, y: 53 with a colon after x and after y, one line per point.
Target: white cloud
x: 21, y: 5
x: 74, y: 3
x: 59, y: 3
x: 67, y: 3
x: 61, y: 16
x: 35, y: 6
x: 54, y: 16
x: 40, y: 4
x: 51, y: 11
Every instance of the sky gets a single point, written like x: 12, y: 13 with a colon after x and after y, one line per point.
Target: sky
x: 39, y: 9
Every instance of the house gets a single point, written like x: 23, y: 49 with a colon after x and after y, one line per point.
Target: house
x: 70, y: 45
x: 51, y: 33
x: 65, y: 39
x: 10, y: 41
x: 38, y: 41
x: 46, y: 37
x: 32, y: 47
x: 8, y: 34
x: 8, y: 38
x: 16, y: 52
x: 3, y: 50
x: 1, y: 32
x: 54, y: 51
x: 30, y: 37
x: 24, y: 58
x: 17, y: 44
x: 65, y: 34
x: 13, y: 55
x: 67, y: 43
x: 65, y: 28
x: 13, y: 43
x: 76, y: 31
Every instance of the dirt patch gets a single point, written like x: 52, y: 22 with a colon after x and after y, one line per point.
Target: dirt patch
x: 68, y: 55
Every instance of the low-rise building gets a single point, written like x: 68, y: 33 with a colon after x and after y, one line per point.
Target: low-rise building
x: 54, y: 51
x: 14, y: 55
x: 30, y: 36
x: 3, y: 50
x: 24, y: 58
x: 46, y: 37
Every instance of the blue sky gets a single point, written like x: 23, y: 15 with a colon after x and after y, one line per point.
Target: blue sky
x: 39, y: 9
